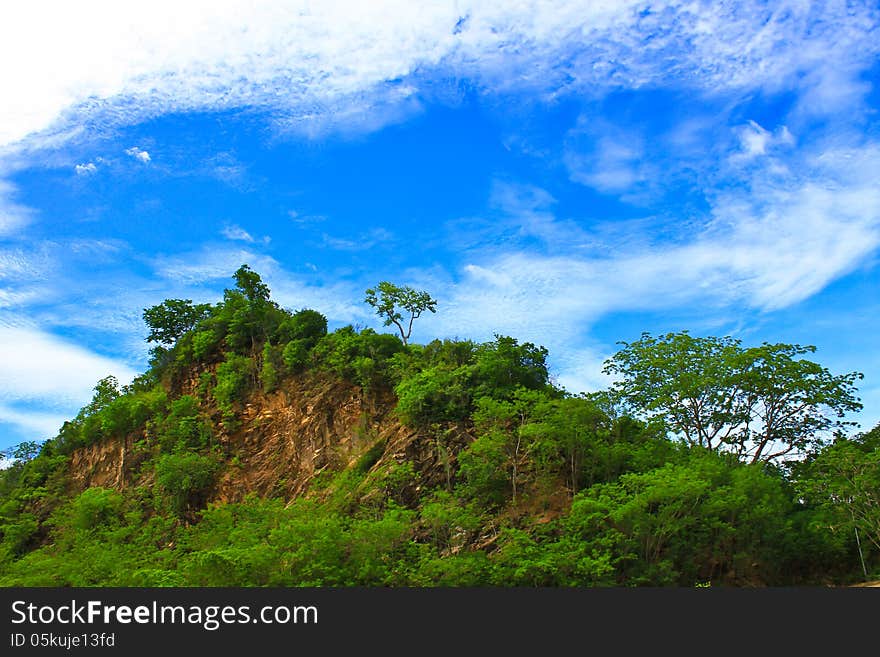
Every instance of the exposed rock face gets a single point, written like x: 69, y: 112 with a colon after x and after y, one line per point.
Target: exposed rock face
x: 103, y: 464
x: 311, y: 424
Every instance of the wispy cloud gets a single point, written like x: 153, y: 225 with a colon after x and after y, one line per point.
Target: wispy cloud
x: 606, y: 157
x: 311, y: 64
x: 36, y: 365
x: 211, y: 264
x: 38, y: 425
x: 304, y: 218
x: 770, y: 243
x: 13, y: 216
x: 237, y: 233
x: 363, y: 242
x: 756, y: 141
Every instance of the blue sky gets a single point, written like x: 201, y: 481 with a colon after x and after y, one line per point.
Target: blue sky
x: 569, y: 173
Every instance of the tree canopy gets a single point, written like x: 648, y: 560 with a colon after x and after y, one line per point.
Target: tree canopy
x: 391, y: 300
x: 172, y: 318
x: 762, y: 402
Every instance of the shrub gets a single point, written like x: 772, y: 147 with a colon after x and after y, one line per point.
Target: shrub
x: 95, y: 507
x: 270, y: 366
x: 233, y: 376
x: 184, y: 427
x: 433, y: 396
x: 185, y: 479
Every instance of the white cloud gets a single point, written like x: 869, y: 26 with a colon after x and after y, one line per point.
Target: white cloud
x: 13, y: 216
x: 756, y: 141
x: 138, y: 154
x: 304, y: 219
x: 35, y: 365
x: 237, y: 233
x: 39, y: 425
x: 363, y: 242
x: 772, y: 243
x: 211, y: 264
x: 85, y: 169
x: 336, y: 63
x: 606, y: 157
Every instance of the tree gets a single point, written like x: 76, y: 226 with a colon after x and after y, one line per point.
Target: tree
x: 23, y: 452
x: 251, y: 315
x: 762, y: 403
x: 172, y: 318
x: 250, y: 284
x: 389, y: 300
x: 503, y: 365
x: 791, y: 401
x: 844, y: 480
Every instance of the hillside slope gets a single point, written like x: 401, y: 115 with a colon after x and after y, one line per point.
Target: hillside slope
x: 259, y: 449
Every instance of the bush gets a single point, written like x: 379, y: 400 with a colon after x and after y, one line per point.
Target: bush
x: 307, y: 325
x: 184, y: 428
x: 203, y: 344
x: 185, y: 479
x: 295, y: 355
x: 96, y: 507
x: 18, y: 533
x: 484, y: 469
x: 270, y: 364
x: 233, y: 376
x: 436, y: 395
x: 363, y: 358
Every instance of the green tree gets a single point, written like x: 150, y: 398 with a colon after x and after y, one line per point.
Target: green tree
x: 172, y: 318
x: 844, y: 480
x: 391, y: 300
x: 249, y: 314
x: 503, y: 366
x: 23, y: 452
x: 791, y: 401
x: 250, y: 284
x: 761, y: 403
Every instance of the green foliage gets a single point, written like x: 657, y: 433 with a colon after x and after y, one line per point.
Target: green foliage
x: 22, y: 452
x: 439, y: 384
x: 434, y: 396
x: 363, y: 358
x: 503, y: 365
x: 295, y: 355
x: 843, y: 482
x: 299, y: 334
x: 95, y: 507
x: 131, y: 412
x: 249, y: 283
x: 184, y: 479
x: 269, y: 367
x: 705, y: 519
x: 233, y: 378
x: 500, y: 479
x: 169, y: 320
x: 390, y: 300
x: 17, y: 535
x: 203, y: 344
x: 307, y: 324
x: 484, y: 469
x: 183, y: 427
x: 761, y: 402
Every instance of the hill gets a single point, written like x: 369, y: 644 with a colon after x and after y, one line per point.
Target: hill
x: 260, y: 449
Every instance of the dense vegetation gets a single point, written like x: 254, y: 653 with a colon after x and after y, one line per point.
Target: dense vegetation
x: 708, y: 463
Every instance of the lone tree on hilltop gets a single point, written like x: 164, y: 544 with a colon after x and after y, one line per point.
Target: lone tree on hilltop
x: 389, y: 300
